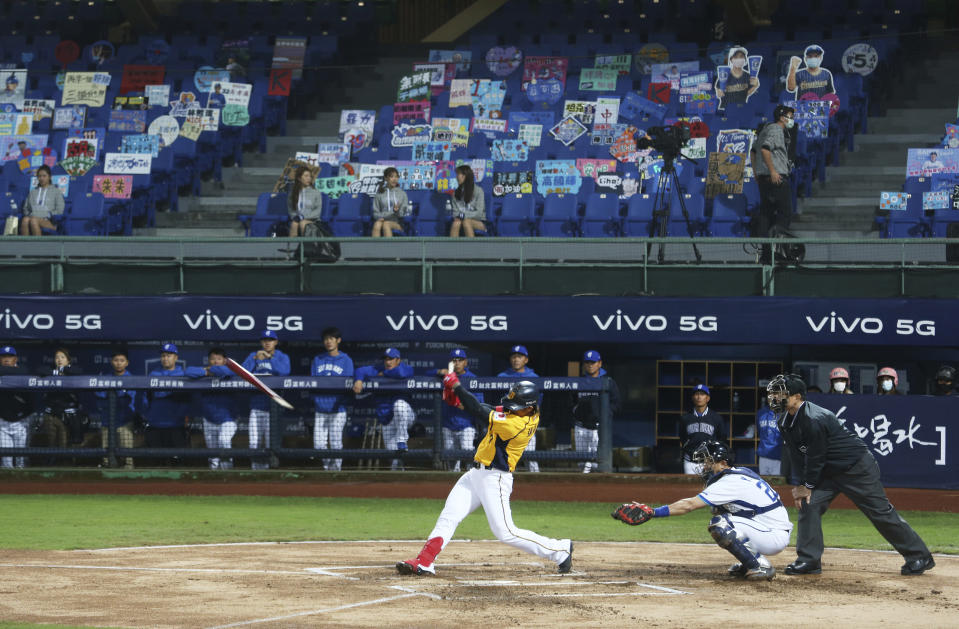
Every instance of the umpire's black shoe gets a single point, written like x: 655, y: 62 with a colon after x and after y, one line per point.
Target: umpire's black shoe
x: 567, y: 564
x: 918, y: 566
x: 804, y: 567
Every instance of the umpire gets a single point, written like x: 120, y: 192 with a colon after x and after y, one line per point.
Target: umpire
x: 827, y: 459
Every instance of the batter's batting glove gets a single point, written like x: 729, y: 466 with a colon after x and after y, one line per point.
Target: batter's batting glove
x: 450, y: 381
x: 633, y: 513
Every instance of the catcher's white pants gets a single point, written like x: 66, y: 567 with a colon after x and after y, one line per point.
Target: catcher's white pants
x: 492, y: 489
x: 259, y: 428
x: 328, y: 434
x: 587, y: 440
x: 13, y: 435
x: 762, y: 540
x: 219, y: 436
x: 458, y: 440
x: 769, y: 467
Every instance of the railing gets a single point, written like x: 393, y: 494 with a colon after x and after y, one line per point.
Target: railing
x: 276, y: 453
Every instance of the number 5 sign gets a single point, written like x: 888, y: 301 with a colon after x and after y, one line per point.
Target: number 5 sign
x: 860, y: 59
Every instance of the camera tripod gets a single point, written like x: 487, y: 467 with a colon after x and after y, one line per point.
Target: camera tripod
x: 668, y: 179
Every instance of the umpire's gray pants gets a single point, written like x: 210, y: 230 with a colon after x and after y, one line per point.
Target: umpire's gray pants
x: 862, y: 485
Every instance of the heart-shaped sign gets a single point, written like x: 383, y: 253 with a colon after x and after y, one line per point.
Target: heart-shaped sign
x: 503, y: 61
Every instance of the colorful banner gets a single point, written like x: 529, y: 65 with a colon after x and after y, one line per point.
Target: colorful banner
x: 85, y: 88
x: 512, y: 183
x: 149, y: 144
x: 544, y: 68
x: 509, y: 151
x: 456, y: 131
x: 135, y: 78
x: 113, y: 186
x: 557, y: 176
x: 127, y: 121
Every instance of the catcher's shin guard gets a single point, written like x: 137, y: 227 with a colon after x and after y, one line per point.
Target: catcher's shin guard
x: 733, y: 541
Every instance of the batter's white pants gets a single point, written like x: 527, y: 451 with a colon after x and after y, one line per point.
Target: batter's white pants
x: 769, y: 467
x: 587, y: 440
x: 259, y: 428
x: 762, y: 540
x: 533, y: 465
x: 328, y: 434
x: 458, y: 440
x: 219, y: 436
x: 492, y: 489
x: 13, y: 435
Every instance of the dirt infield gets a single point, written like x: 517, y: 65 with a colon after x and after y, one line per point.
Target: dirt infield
x: 610, y: 488
x: 334, y: 584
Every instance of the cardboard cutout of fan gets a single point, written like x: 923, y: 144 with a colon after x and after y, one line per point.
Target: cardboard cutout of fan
x: 239, y: 370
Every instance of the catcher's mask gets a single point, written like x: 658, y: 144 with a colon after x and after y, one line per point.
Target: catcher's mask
x: 710, y: 452
x: 523, y: 394
x: 780, y: 388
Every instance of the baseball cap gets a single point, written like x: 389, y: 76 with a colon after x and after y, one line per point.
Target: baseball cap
x: 519, y: 349
x: 701, y: 387
x: 7, y: 350
x: 591, y: 356
x: 458, y: 353
x: 391, y: 352
x: 168, y: 348
x: 269, y: 334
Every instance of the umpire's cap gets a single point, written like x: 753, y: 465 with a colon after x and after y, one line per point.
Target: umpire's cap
x: 522, y: 394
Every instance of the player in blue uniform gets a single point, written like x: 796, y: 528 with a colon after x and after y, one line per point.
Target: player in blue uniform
x: 267, y: 361
x: 166, y: 411
x: 219, y: 408
x: 329, y: 417
x: 518, y: 359
x: 459, y: 432
x: 393, y: 410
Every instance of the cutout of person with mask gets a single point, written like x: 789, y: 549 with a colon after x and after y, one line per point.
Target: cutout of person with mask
x: 813, y: 78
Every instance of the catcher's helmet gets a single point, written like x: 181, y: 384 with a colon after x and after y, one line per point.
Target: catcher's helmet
x: 523, y: 394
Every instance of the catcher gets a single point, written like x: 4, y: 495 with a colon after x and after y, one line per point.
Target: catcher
x: 749, y: 520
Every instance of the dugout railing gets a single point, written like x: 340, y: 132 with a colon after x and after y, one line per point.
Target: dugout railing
x: 276, y: 454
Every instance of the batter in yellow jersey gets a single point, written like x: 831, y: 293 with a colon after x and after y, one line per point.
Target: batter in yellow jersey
x: 490, y: 482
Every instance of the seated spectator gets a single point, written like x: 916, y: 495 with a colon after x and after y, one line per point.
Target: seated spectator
x: 15, y: 409
x: 839, y: 381
x: 390, y: 205
x: 518, y: 361
x: 63, y: 419
x: 887, y: 381
x: 468, y: 205
x: 166, y: 412
x: 945, y: 379
x: 305, y: 202
x: 126, y: 406
x: 43, y: 203
x: 219, y: 408
x: 702, y: 424
x: 393, y: 411
x: 585, y: 408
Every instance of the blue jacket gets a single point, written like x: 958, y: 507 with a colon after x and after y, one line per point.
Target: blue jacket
x: 383, y: 403
x: 167, y: 409
x: 770, y: 439
x: 216, y: 407
x: 326, y: 365
x: 457, y: 418
x: 126, y: 404
x: 279, y: 365
x: 510, y: 373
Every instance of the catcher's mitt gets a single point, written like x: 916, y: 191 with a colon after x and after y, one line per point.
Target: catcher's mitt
x: 633, y: 513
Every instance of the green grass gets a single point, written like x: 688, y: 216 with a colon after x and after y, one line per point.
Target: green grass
x: 65, y: 522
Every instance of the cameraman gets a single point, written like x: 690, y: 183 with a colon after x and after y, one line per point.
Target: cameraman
x: 772, y: 176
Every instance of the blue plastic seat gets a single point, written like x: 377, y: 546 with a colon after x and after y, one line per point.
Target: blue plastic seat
x: 601, y: 218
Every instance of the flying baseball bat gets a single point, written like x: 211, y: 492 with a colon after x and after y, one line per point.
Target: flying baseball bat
x: 241, y: 371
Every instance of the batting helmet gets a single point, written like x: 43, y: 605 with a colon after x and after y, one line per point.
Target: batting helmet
x: 838, y: 372
x: 890, y: 372
x: 523, y: 394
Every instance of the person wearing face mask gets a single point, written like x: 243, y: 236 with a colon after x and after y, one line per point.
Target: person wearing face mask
x: 813, y: 78
x: 740, y: 85
x: 945, y: 379
x: 772, y: 175
x: 839, y: 381
x: 887, y: 382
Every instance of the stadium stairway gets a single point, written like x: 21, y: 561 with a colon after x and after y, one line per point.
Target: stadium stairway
x: 214, y: 213
x: 845, y: 206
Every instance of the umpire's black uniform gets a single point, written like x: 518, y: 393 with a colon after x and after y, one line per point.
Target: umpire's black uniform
x: 827, y: 458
